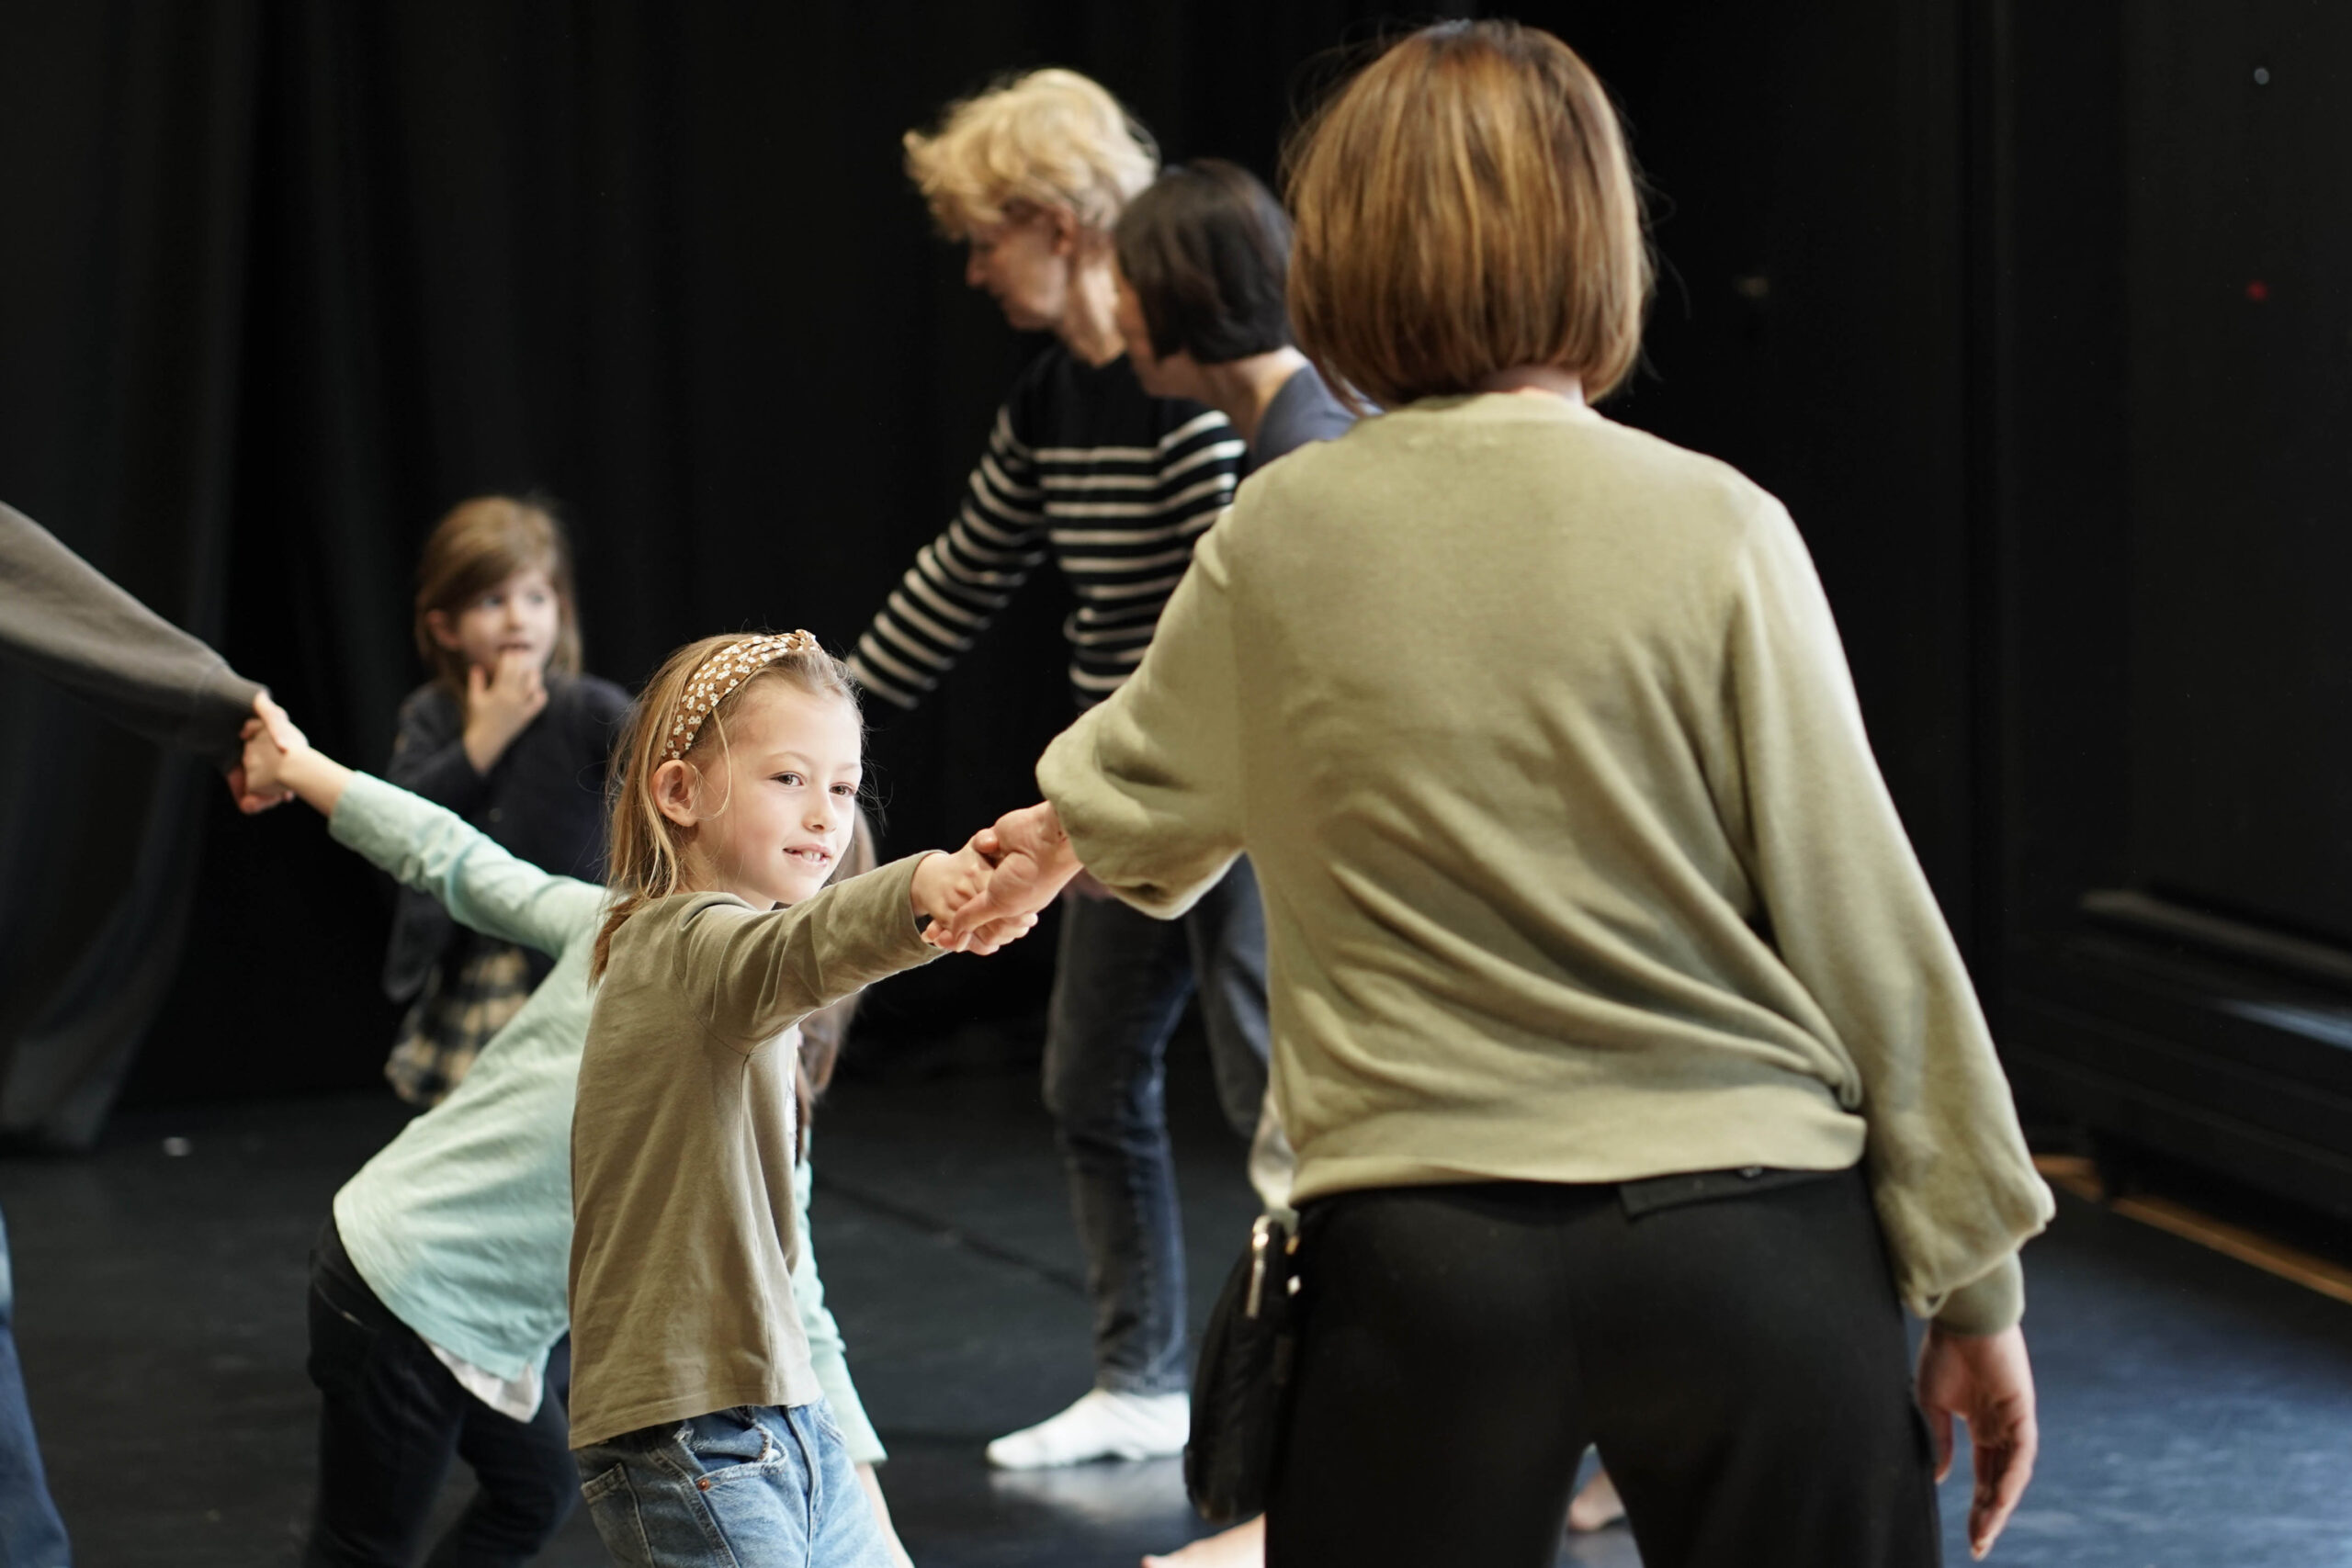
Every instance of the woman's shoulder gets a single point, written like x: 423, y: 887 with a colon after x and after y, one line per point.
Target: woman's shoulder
x: 1581, y: 444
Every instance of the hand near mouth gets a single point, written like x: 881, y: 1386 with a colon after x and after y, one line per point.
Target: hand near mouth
x: 500, y: 703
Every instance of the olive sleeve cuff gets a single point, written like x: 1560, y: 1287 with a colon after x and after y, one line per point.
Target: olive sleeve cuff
x: 1988, y: 1304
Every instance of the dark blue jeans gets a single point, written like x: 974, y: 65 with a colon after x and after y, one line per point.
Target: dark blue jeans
x: 391, y: 1420
x: 1120, y: 984
x: 30, y: 1532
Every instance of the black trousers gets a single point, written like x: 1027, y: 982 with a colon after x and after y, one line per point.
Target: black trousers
x: 393, y: 1419
x: 1731, y: 1341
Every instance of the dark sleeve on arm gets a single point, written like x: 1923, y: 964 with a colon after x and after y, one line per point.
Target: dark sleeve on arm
x: 429, y: 754
x: 65, y: 620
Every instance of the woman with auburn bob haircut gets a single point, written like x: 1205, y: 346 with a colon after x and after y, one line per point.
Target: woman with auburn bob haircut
x: 1635, y: 1081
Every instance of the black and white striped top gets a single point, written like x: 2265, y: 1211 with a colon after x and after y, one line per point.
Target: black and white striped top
x: 1083, y: 465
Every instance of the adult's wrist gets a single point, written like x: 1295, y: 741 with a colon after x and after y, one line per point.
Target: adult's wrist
x: 1993, y: 1302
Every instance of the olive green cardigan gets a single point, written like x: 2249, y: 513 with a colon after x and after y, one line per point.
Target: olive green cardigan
x: 1578, y: 866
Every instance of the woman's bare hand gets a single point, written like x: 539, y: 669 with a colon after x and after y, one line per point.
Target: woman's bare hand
x: 1986, y: 1381
x: 1033, y: 861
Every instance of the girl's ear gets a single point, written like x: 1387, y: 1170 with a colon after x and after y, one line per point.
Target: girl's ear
x: 676, y: 792
x: 437, y: 623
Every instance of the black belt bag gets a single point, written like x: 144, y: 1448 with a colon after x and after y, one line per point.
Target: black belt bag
x: 1240, y: 1391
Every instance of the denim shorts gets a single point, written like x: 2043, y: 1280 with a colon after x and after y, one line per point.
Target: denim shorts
x: 746, y: 1487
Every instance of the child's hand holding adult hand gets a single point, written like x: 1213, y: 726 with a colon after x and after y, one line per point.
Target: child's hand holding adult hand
x: 944, y: 884
x: 500, y: 702
x: 268, y: 736
x: 1033, y: 861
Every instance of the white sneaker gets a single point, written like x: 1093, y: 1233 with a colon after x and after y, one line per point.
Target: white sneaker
x: 1103, y: 1424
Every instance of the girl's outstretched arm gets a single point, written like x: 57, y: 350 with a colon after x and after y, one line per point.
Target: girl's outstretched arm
x: 424, y: 846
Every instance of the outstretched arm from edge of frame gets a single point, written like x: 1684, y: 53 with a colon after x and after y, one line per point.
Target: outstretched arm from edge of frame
x: 77, y: 627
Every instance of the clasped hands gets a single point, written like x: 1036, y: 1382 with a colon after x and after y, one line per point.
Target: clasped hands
x: 1018, y: 867
x: 255, y: 790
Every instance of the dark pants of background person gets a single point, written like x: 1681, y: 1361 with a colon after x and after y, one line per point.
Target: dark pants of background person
x: 1121, y: 980
x: 30, y: 1532
x: 1732, y: 1343
x: 393, y: 1420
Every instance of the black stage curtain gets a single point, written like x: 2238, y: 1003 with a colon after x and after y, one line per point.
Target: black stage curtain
x: 285, y: 281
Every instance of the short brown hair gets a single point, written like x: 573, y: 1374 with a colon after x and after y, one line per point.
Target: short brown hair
x: 1206, y: 248
x: 480, y: 544
x: 1464, y: 206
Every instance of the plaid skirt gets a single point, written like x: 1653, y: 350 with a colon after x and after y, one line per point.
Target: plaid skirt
x: 462, y: 1005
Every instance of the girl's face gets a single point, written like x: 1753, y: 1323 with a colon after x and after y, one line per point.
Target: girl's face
x: 1023, y: 263
x: 774, y: 808
x: 521, y: 615
x: 1174, y: 377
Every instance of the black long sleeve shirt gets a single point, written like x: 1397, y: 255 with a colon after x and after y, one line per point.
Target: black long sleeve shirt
x: 543, y: 800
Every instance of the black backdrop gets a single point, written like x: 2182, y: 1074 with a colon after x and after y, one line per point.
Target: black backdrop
x: 283, y: 281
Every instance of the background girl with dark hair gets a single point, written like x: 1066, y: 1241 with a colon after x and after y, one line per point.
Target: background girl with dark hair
x: 512, y: 735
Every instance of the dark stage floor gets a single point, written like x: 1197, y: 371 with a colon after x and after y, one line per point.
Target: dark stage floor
x: 2196, y: 1413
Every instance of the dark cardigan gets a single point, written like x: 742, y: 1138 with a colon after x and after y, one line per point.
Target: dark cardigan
x: 543, y: 800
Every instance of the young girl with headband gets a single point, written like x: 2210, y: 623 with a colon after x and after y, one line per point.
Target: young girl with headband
x: 438, y: 1318
x: 699, y: 1428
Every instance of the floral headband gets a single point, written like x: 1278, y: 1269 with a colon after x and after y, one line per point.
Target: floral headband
x: 721, y: 673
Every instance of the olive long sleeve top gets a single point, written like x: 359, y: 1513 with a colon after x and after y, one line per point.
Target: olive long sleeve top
x: 462, y: 1224
x: 1577, y: 865
x: 686, y: 1238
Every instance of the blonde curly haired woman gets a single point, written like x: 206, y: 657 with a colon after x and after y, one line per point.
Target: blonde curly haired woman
x: 1087, y: 468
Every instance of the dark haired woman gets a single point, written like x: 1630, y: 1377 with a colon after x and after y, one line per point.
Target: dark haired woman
x: 1635, y: 1081
x: 1204, y: 262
